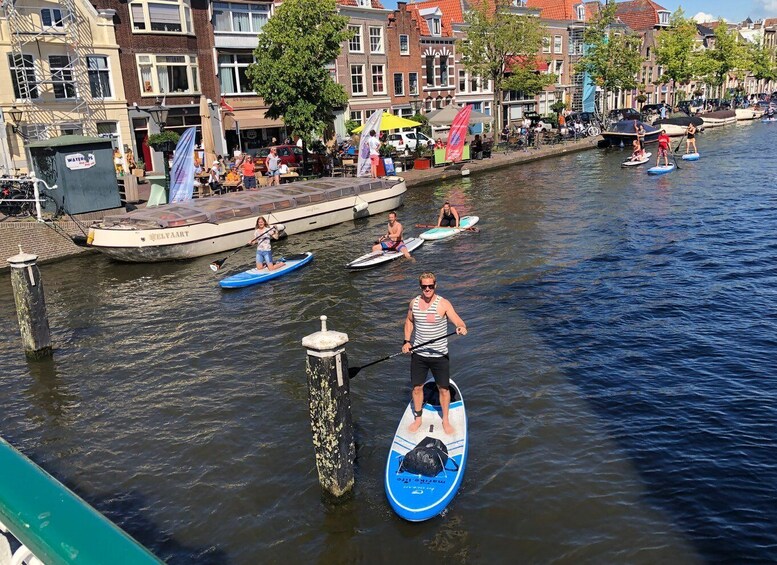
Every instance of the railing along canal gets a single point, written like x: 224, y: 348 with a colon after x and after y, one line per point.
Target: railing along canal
x: 53, y: 524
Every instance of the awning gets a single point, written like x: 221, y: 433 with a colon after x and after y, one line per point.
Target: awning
x: 252, y: 118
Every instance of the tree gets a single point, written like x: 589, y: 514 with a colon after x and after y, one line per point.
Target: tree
x: 725, y: 56
x: 675, y: 50
x: 613, y: 58
x: 290, y: 71
x: 760, y: 62
x: 502, y: 47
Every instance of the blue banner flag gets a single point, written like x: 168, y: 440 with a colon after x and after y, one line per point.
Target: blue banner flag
x: 182, y: 171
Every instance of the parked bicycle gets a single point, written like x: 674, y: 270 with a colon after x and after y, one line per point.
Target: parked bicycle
x: 17, y: 197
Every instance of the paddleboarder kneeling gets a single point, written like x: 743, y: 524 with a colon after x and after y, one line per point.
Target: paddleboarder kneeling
x: 392, y: 240
x: 428, y: 317
x: 449, y: 217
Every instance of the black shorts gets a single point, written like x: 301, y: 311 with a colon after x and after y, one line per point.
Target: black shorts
x: 448, y: 222
x: 420, y: 367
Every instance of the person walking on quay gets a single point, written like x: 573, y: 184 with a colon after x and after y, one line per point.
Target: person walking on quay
x: 449, y: 217
x: 427, y: 319
x: 663, y: 148
x: 392, y: 240
x: 273, y: 164
x: 262, y: 235
x: 374, y: 145
x: 690, y: 139
x: 249, y: 173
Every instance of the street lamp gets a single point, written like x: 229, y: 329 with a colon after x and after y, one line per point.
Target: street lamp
x: 159, y: 114
x: 16, y: 117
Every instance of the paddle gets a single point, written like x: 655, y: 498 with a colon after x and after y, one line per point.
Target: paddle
x: 353, y: 371
x: 216, y: 265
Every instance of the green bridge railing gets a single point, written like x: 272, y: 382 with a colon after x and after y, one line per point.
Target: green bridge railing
x: 54, y: 523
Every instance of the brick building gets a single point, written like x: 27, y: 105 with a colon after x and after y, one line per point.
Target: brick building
x: 403, y: 38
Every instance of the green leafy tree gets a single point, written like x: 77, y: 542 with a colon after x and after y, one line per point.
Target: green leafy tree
x: 290, y: 71
x: 502, y: 47
x: 760, y: 62
x: 726, y: 56
x: 613, y: 57
x: 675, y: 50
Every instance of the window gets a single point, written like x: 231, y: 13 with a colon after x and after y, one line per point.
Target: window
x: 444, y: 71
x: 487, y: 108
x: 356, y: 115
x: 546, y: 44
x: 232, y: 73
x: 355, y: 43
x: 434, y: 26
x: 71, y: 129
x: 62, y: 76
x: 364, y: 3
x: 430, y: 70
x: 33, y: 132
x: 399, y: 84
x: 581, y: 13
x: 413, y: 82
x: 108, y: 130
x: 99, y: 76
x: 376, y: 40
x: 161, y: 16
x: 557, y: 44
x: 51, y: 17
x: 357, y: 80
x: 663, y: 18
x: 404, y: 45
x: 164, y: 74
x: 474, y: 84
x: 462, y: 81
x: 23, y: 76
x: 378, y: 80
x: 240, y: 18
x: 558, y: 71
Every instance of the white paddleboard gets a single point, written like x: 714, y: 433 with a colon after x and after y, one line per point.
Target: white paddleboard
x: 377, y: 257
x: 441, y: 233
x: 630, y: 163
x: 418, y: 497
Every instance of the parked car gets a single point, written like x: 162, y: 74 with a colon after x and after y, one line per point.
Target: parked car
x: 654, y: 108
x: 691, y: 107
x: 535, y: 119
x: 407, y: 140
x: 290, y: 155
x: 624, y: 114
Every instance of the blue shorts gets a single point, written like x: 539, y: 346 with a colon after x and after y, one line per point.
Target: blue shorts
x: 275, y: 173
x: 392, y: 245
x: 249, y: 183
x: 263, y: 257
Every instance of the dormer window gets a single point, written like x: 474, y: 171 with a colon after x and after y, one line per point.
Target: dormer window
x: 519, y: 3
x: 364, y: 3
x: 663, y: 18
x: 434, y: 26
x: 581, y: 12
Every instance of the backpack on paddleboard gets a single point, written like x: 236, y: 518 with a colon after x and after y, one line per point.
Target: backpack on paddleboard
x: 428, y: 458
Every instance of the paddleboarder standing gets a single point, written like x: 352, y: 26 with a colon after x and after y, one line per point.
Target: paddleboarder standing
x: 427, y: 319
x: 262, y: 236
x: 392, y: 240
x: 663, y: 148
x: 449, y: 217
x: 690, y: 139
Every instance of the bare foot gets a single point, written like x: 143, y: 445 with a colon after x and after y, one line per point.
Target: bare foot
x: 446, y: 426
x: 415, y: 426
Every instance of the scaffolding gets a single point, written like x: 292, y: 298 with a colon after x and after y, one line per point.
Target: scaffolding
x: 55, y: 97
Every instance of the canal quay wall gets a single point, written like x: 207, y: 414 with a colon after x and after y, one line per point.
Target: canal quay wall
x: 42, y: 240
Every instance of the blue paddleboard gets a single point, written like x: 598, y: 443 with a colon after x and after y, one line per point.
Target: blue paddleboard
x: 465, y: 222
x: 691, y: 157
x: 661, y: 170
x: 256, y: 276
x: 417, y: 497
x: 768, y: 120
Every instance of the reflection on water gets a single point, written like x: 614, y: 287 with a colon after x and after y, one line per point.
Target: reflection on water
x: 616, y: 375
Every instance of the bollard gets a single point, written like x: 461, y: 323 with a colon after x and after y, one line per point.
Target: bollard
x: 30, y: 305
x: 330, y: 409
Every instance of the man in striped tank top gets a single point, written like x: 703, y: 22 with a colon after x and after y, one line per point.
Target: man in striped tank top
x: 428, y: 317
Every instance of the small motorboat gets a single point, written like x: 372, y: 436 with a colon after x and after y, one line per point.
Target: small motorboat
x: 624, y: 132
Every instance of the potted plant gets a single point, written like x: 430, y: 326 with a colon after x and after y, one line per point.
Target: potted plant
x: 164, y: 141
x: 641, y: 99
x: 140, y: 168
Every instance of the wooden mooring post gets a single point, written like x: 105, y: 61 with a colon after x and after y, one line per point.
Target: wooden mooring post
x: 330, y: 409
x: 30, y: 305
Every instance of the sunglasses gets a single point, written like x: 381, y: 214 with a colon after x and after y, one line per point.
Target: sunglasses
x: 428, y: 286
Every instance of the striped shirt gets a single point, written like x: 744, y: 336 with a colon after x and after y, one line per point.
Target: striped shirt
x: 429, y: 325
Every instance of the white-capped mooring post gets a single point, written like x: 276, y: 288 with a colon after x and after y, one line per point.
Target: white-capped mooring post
x: 30, y: 305
x: 330, y: 408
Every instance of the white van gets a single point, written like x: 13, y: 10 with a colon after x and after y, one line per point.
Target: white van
x: 407, y: 140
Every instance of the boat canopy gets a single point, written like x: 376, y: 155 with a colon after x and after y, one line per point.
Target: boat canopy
x: 219, y: 209
x: 627, y: 126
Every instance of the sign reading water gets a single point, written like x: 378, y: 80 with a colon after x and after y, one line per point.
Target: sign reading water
x: 78, y: 161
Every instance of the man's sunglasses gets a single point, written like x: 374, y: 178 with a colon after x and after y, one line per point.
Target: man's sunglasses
x: 428, y: 286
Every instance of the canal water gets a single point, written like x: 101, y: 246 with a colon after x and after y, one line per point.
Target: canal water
x: 619, y: 376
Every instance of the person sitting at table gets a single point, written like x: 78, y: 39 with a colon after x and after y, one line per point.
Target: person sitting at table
x: 232, y: 176
x: 439, y: 144
x: 283, y: 169
x: 477, y: 147
x: 214, y: 178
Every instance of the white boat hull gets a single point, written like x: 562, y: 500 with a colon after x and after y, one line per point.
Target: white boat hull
x: 133, y: 244
x: 673, y: 130
x: 710, y: 122
x: 745, y: 114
